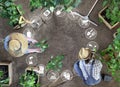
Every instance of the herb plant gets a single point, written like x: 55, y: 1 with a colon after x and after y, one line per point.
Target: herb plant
x: 112, y: 13
x: 55, y: 63
x: 113, y: 52
x: 29, y: 79
x: 42, y: 44
x: 8, y: 9
x: 34, y: 4
x: 2, y: 79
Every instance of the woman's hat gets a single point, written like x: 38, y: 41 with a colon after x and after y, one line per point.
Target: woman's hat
x: 84, y: 53
x: 17, y: 45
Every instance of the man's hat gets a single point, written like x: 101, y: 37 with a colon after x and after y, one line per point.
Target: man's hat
x: 17, y: 45
x: 84, y: 53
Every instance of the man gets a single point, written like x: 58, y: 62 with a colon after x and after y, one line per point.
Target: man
x: 17, y: 44
x: 88, y: 68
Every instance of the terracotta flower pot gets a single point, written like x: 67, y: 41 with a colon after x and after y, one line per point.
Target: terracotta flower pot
x: 106, y: 57
x: 115, y: 34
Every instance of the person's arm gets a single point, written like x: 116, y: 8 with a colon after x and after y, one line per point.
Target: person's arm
x: 37, y: 50
x: 32, y: 40
x: 77, y: 69
x: 6, y: 41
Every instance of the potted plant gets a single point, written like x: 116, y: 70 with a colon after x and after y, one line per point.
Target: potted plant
x: 110, y: 14
x: 5, y: 74
x: 29, y: 79
x: 113, y: 54
x: 55, y: 63
x: 8, y: 9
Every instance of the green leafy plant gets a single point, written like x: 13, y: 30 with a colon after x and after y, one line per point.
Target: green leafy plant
x: 34, y: 4
x: 113, y: 52
x: 42, y: 44
x: 55, y: 63
x: 2, y: 79
x: 8, y: 9
x: 112, y: 13
x: 29, y: 79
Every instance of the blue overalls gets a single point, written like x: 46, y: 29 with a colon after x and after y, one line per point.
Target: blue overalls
x: 90, y: 80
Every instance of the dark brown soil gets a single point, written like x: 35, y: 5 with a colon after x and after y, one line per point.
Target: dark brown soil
x: 64, y: 37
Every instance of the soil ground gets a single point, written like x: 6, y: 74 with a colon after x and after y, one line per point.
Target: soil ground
x: 64, y: 36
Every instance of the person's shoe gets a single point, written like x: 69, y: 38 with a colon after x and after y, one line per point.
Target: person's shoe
x: 106, y: 77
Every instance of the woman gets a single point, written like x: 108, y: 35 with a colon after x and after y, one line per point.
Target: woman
x: 17, y: 44
x: 88, y: 68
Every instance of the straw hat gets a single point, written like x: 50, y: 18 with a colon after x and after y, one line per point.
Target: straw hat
x: 84, y: 53
x: 17, y: 45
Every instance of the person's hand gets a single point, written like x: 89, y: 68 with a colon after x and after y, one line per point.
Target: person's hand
x: 35, y: 69
x: 34, y: 41
x: 39, y: 50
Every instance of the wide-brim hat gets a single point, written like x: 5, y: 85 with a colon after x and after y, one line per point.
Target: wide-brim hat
x: 84, y: 53
x: 17, y: 45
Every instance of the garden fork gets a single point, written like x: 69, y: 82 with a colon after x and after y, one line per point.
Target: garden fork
x: 87, y: 16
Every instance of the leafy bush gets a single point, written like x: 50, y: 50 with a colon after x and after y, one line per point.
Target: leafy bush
x: 29, y: 79
x: 8, y: 9
x: 55, y: 63
x: 113, y: 51
x: 2, y: 79
x: 112, y: 13
x: 34, y: 4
